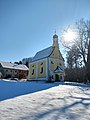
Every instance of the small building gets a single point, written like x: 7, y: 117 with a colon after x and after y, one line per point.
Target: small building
x: 48, y: 64
x: 11, y: 70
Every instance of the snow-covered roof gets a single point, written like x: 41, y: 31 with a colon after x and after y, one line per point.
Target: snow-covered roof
x: 43, y: 53
x: 7, y: 64
x: 13, y: 66
x: 21, y: 67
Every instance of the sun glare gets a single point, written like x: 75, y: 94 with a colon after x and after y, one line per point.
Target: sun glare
x: 69, y: 35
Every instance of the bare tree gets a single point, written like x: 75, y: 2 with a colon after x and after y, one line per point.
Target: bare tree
x: 82, y: 41
x: 88, y: 63
x: 79, y: 50
x: 73, y: 57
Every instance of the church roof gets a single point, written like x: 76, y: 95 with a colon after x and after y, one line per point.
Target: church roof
x: 55, y: 36
x: 58, y: 70
x: 43, y: 53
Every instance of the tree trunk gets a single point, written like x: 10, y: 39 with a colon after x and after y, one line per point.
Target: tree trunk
x: 88, y: 63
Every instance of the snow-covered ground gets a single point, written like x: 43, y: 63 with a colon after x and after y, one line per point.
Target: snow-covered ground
x: 43, y: 101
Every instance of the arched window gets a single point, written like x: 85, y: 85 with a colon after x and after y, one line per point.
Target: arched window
x: 33, y: 70
x: 41, y: 68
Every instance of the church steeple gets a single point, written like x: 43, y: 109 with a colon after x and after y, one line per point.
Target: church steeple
x: 55, y: 40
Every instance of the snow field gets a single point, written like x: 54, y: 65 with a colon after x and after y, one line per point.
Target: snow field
x: 55, y: 101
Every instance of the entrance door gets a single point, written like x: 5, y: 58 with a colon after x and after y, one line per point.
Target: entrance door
x: 56, y: 77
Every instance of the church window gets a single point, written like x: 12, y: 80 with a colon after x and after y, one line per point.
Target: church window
x: 52, y: 62
x: 60, y: 64
x: 41, y: 68
x: 41, y: 63
x: 33, y: 70
x: 6, y: 70
x: 32, y: 65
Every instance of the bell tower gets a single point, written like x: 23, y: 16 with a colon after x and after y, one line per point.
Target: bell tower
x: 55, y: 41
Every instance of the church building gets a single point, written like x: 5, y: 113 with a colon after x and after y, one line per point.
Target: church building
x: 48, y: 64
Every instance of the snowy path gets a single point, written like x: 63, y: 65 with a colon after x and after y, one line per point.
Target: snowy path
x: 62, y: 102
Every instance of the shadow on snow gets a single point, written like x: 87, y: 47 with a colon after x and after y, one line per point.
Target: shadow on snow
x: 13, y: 89
x: 68, y: 110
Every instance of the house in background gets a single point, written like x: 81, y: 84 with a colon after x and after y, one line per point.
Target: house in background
x: 11, y: 70
x: 48, y: 64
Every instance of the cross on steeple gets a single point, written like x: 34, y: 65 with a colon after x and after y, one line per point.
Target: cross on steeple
x: 55, y: 31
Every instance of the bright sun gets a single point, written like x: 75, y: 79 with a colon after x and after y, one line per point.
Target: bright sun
x: 69, y: 35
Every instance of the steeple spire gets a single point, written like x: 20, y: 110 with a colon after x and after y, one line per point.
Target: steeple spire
x: 55, y: 31
x: 55, y: 40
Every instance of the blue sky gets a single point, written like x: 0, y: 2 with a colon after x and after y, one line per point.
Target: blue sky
x: 27, y: 26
